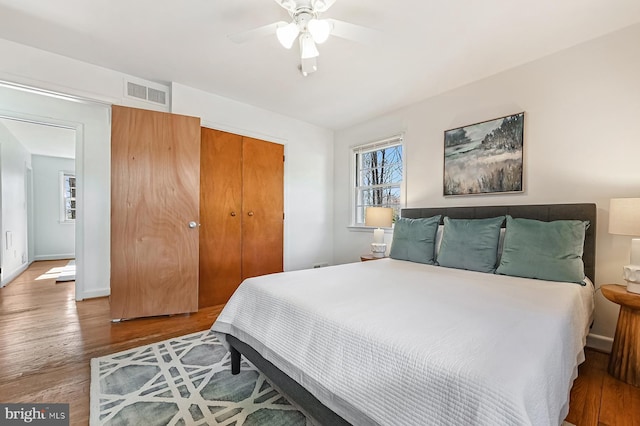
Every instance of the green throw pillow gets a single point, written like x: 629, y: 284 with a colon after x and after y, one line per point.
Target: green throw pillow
x: 549, y: 251
x: 415, y: 239
x: 470, y: 244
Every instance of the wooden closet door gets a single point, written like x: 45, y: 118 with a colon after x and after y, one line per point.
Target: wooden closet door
x: 220, y: 216
x: 262, y: 207
x: 155, y: 191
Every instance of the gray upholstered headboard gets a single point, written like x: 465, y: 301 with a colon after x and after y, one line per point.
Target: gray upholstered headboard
x: 544, y: 212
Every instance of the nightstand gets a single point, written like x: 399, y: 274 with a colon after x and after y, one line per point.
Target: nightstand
x: 624, y: 362
x: 366, y: 257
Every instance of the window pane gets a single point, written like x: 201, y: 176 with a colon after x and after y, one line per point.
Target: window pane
x: 383, y: 197
x: 380, y: 167
x: 69, y: 197
x: 379, y: 175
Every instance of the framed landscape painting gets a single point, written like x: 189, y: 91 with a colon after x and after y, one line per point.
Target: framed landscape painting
x: 484, y: 158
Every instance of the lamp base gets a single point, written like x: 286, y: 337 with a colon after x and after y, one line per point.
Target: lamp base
x: 378, y: 249
x: 633, y: 287
x: 631, y: 274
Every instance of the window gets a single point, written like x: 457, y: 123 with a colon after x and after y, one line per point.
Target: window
x: 379, y: 174
x: 68, y: 197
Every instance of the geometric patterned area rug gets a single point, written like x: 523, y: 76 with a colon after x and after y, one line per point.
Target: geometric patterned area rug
x: 183, y: 381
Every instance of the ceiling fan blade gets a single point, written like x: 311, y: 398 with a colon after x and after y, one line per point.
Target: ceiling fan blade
x: 289, y: 5
x: 354, y: 32
x: 256, y: 33
x: 322, y: 5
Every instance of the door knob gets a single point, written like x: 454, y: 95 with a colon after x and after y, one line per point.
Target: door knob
x: 193, y: 224
x: 250, y: 213
x: 233, y: 214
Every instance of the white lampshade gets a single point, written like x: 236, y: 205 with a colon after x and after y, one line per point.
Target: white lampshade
x: 624, y: 216
x: 624, y: 219
x: 380, y: 217
x: 287, y: 34
x: 319, y: 29
x: 308, y: 47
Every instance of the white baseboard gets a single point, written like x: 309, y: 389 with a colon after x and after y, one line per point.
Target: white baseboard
x: 55, y: 256
x: 103, y: 292
x: 600, y: 343
x: 6, y: 280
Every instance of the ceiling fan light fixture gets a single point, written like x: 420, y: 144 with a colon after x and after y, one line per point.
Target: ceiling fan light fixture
x: 287, y: 34
x: 308, y: 47
x: 308, y: 66
x: 320, y: 30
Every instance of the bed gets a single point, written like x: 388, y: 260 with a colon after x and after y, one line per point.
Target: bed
x: 401, y: 342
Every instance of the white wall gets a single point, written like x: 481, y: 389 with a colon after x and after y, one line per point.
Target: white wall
x: 36, y: 68
x: 309, y: 149
x: 308, y: 168
x: 92, y: 126
x: 53, y: 239
x: 582, y: 127
x: 14, y: 161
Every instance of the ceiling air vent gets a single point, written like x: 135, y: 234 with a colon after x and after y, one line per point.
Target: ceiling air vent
x: 144, y: 91
x: 157, y: 96
x: 136, y: 90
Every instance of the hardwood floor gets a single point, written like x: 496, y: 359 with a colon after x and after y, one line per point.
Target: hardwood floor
x: 47, y: 340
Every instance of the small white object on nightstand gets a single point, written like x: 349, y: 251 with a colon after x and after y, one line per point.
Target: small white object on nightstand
x: 631, y: 274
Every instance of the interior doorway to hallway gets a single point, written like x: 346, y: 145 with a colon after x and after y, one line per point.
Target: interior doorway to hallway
x: 39, y: 212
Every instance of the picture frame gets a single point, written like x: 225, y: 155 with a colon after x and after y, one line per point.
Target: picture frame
x: 485, y: 157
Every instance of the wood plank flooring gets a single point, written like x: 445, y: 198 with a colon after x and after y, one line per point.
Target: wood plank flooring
x: 47, y: 340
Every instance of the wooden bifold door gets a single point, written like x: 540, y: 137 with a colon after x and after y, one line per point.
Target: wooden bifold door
x: 241, y: 212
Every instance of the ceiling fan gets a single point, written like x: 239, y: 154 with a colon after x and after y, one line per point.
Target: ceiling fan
x: 307, y: 27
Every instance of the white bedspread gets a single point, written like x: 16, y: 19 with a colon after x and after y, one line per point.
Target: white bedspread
x: 398, y: 343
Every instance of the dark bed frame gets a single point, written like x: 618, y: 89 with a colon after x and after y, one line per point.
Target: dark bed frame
x: 544, y: 212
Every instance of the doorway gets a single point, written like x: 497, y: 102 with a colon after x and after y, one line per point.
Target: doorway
x: 42, y: 223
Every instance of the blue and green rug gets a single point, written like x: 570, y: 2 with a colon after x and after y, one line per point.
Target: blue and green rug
x: 184, y: 381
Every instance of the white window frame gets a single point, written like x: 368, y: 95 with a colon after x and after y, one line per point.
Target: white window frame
x: 63, y: 197
x: 355, y: 170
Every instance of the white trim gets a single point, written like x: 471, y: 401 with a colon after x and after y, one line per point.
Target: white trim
x: 51, y: 93
x: 14, y: 275
x: 354, y: 150
x: 600, y: 343
x: 63, y: 256
x: 372, y: 146
x: 95, y: 293
x: 370, y: 229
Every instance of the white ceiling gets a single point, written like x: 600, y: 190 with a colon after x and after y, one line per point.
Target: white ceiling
x: 426, y: 48
x: 43, y: 139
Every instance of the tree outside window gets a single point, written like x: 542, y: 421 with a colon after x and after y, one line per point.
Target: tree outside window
x: 379, y: 177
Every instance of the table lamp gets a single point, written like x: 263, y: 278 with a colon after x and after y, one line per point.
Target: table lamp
x: 624, y: 219
x: 379, y: 217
